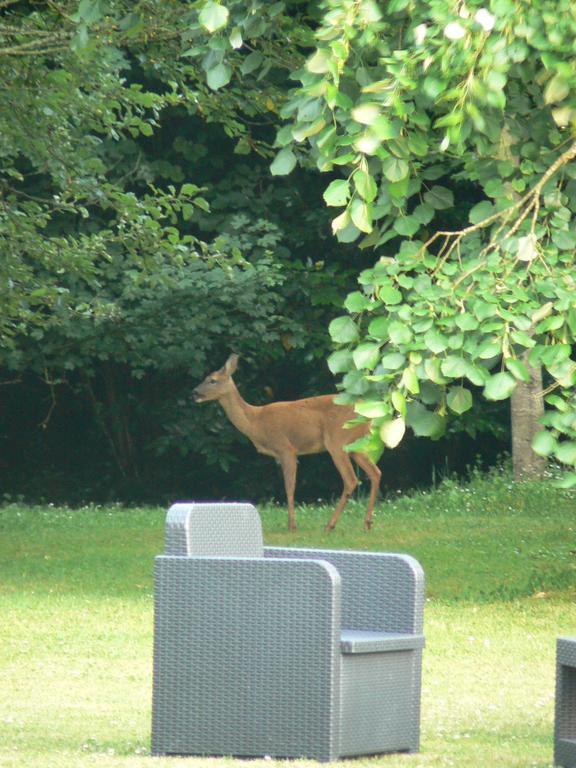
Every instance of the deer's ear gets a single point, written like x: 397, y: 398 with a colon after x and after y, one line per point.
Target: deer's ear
x: 231, y: 364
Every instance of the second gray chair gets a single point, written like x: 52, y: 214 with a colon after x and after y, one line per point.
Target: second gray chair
x: 281, y: 652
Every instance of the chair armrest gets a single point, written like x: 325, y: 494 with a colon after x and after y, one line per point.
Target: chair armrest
x: 250, y: 591
x: 381, y: 592
x: 245, y: 635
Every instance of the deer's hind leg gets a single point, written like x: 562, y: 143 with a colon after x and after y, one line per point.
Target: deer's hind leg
x: 344, y: 466
x: 374, y: 476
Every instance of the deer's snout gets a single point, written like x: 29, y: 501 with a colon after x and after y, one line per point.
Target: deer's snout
x: 197, y: 396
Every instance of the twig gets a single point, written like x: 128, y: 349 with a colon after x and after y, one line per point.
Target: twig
x: 530, y: 202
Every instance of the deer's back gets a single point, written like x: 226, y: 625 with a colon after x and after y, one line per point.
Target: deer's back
x: 309, y: 425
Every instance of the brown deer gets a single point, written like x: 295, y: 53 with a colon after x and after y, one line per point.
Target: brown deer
x: 291, y: 429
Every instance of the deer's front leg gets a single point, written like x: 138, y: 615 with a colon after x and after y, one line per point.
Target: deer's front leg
x: 289, y: 464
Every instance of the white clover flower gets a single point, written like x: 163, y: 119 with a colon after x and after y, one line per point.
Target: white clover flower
x: 454, y: 31
x: 485, y: 19
x: 420, y: 33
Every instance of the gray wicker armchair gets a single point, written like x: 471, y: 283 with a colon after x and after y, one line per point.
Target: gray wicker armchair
x: 565, y: 708
x: 281, y: 652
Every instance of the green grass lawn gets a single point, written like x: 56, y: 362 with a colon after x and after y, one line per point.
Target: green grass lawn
x: 76, y: 630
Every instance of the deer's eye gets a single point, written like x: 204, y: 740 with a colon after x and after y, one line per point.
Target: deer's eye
x: 213, y: 381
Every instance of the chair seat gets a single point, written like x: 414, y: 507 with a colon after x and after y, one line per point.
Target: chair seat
x: 364, y: 641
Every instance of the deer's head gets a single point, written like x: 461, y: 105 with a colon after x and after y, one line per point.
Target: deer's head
x: 218, y: 383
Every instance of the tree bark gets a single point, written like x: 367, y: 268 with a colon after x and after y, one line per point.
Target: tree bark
x: 527, y: 407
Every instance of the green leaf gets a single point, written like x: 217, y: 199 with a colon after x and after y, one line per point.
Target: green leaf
x: 385, y: 129
x: 499, y: 387
x: 340, y: 361
x: 365, y: 185
x: 522, y: 338
x: 544, y: 443
x: 435, y: 341
x: 88, y: 11
x: 564, y: 239
x: 361, y: 214
x: 236, y: 38
x: 389, y: 295
x: 518, y: 369
x: 489, y: 349
x: 410, y: 381
x: 454, y: 367
x: 423, y: 213
x: 370, y: 444
x: 399, y: 401
x: 556, y: 90
x: 459, y: 399
x: 251, y: 62
x: 341, y: 222
x: 466, y: 322
x: 366, y: 355
x: 213, y: 16
x: 372, y: 409
x: 218, y: 76
x: 568, y: 481
x: 337, y: 192
x: 366, y: 113
x: 343, y: 330
x: 432, y: 368
x: 406, y: 225
x: 477, y: 374
x: 378, y: 328
x: 399, y: 333
x: 392, y: 361
x: 356, y: 302
x: 392, y: 432
x: 283, y: 163
x: 566, y: 452
x: 439, y: 198
x: 424, y: 423
x: 319, y: 62
x: 395, y: 169
x: 481, y: 211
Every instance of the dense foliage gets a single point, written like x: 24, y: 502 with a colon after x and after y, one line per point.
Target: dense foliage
x: 148, y: 223
x: 141, y: 239
x: 402, y: 100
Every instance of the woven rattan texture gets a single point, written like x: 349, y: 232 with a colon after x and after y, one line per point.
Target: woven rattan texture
x: 565, y: 720
x: 214, y: 529
x: 381, y: 592
x: 215, y: 691
x: 380, y: 702
x: 356, y: 641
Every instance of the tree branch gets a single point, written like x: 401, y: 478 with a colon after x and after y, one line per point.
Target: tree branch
x: 529, y: 202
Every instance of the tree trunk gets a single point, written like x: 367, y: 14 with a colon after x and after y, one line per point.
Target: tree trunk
x: 527, y: 407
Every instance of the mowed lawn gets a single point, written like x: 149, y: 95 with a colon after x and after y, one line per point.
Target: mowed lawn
x: 76, y: 629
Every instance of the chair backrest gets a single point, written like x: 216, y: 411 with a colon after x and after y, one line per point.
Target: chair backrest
x: 216, y: 529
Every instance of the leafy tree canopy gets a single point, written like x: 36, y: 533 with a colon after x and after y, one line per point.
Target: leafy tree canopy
x: 81, y: 82
x: 400, y: 106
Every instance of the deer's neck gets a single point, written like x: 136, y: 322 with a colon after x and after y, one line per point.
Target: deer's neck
x: 240, y: 413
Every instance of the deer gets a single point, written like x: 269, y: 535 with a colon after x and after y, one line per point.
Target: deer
x: 286, y: 430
